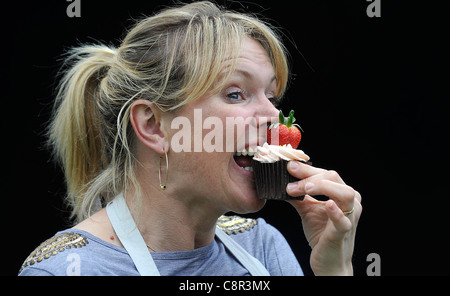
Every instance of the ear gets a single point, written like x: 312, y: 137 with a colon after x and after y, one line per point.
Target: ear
x: 145, y: 118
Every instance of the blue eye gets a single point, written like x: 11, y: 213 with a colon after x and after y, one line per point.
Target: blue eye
x: 235, y: 96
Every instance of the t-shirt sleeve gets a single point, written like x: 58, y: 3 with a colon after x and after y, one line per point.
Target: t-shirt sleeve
x: 32, y: 271
x: 279, y: 256
x: 63, y: 254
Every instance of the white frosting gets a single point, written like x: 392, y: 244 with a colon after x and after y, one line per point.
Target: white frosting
x: 271, y: 153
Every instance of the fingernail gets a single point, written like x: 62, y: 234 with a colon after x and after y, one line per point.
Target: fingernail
x: 330, y: 204
x: 292, y: 186
x: 293, y: 165
x: 308, y: 186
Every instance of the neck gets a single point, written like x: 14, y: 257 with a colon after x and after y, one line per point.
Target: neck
x: 172, y: 222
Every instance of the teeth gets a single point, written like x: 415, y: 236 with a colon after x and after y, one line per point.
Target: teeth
x: 249, y: 169
x: 246, y: 152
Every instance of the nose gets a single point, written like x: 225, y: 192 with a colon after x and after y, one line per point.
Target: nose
x: 267, y: 112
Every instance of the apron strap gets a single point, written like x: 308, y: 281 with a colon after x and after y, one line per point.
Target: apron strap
x: 253, y: 265
x: 130, y: 237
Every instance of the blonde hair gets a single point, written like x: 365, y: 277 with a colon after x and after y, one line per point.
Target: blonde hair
x: 170, y: 59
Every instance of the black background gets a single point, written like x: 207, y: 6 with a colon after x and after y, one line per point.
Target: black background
x: 370, y: 94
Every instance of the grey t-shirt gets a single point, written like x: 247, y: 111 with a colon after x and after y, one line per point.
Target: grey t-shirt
x: 77, y: 252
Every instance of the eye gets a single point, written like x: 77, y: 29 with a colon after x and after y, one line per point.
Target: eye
x: 235, y: 96
x: 274, y: 101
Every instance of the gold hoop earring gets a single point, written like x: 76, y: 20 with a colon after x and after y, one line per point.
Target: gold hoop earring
x: 163, y: 187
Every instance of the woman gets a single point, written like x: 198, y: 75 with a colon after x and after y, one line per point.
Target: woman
x: 143, y: 205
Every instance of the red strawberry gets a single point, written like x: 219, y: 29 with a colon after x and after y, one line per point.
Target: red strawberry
x: 285, y: 132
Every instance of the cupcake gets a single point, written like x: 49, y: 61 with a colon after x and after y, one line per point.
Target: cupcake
x: 270, y: 170
x: 270, y: 160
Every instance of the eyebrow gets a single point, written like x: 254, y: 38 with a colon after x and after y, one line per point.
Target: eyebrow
x: 249, y: 75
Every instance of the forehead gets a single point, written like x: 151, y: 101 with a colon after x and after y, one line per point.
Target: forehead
x: 252, y: 62
x: 253, y: 52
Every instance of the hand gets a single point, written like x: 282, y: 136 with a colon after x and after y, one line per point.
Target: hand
x: 330, y: 233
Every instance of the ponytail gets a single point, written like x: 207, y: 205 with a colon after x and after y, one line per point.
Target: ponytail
x: 75, y: 132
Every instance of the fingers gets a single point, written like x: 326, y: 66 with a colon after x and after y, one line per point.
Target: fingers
x: 302, y: 170
x: 316, y: 181
x: 342, y: 194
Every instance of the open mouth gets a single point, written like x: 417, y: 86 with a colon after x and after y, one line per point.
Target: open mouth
x: 244, y: 158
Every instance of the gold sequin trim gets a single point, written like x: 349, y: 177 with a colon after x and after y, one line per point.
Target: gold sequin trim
x: 235, y: 224
x: 53, y: 246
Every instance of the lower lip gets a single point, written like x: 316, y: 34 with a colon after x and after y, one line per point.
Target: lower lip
x: 244, y: 171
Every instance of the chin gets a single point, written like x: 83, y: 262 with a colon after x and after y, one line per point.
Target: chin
x: 244, y: 198
x: 247, y: 204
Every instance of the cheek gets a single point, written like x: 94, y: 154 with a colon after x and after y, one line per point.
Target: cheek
x: 200, y: 168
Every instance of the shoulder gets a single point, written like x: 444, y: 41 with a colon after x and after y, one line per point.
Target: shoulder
x: 77, y: 252
x: 53, y: 247
x: 262, y: 241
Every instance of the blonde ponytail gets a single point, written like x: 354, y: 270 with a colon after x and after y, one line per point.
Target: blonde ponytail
x: 75, y: 132
x: 170, y: 59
